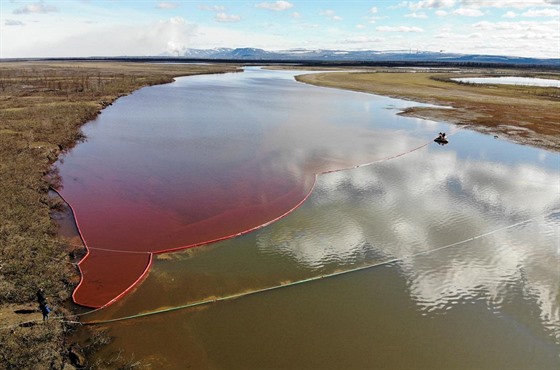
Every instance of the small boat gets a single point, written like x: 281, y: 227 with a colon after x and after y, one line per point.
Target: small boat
x: 441, y: 139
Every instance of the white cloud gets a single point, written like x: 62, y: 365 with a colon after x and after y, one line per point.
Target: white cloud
x: 226, y: 18
x: 548, y: 12
x: 529, y: 36
x: 545, y: 27
x: 167, y: 5
x: 28, y: 40
x: 507, y: 3
x: 36, y: 8
x: 510, y: 14
x: 11, y: 22
x: 49, y: 40
x: 468, y: 12
x: 431, y: 4
x: 217, y: 37
x: 221, y: 16
x: 276, y: 6
x: 173, y: 36
x: 212, y: 8
x: 511, y: 38
x: 402, y: 4
x: 373, y: 17
x: 399, y: 29
x: 330, y: 14
x: 416, y: 15
x: 444, y: 35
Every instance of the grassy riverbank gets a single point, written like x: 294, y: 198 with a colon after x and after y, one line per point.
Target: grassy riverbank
x: 523, y: 114
x: 42, y: 107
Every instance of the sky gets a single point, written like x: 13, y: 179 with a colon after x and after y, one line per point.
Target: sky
x: 83, y: 28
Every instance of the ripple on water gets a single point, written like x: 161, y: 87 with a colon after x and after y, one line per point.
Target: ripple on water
x: 500, y: 270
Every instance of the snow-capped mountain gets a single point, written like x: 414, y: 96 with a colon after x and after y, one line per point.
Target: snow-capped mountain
x: 254, y: 54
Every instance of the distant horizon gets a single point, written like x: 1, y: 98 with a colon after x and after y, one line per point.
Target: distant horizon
x: 95, y: 28
x: 393, y: 51
x: 400, y: 51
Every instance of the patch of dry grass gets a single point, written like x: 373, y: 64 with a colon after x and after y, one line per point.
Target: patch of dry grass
x: 492, y: 109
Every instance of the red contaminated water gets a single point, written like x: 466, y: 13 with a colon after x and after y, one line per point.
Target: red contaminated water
x: 200, y: 160
x: 122, y: 234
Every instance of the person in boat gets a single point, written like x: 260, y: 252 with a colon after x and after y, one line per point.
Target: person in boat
x: 441, y: 137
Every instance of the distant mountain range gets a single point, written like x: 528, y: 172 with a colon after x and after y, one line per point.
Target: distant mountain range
x: 405, y: 56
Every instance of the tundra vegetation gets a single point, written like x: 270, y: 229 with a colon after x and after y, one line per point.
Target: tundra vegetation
x: 42, y: 107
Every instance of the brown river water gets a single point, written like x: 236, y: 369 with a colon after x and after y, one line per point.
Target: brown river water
x: 464, y: 237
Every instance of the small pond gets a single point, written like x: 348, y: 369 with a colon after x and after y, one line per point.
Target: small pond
x: 524, y: 81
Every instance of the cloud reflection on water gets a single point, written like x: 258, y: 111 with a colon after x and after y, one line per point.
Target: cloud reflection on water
x: 429, y: 199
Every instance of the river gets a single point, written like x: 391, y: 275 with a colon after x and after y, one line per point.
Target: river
x: 464, y: 237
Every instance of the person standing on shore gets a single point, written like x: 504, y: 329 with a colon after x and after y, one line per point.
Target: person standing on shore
x: 45, y: 310
x: 41, y: 299
x: 43, y: 307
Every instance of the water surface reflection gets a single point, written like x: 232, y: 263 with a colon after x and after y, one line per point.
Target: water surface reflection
x: 525, y: 81
x: 206, y: 158
x: 490, y: 302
